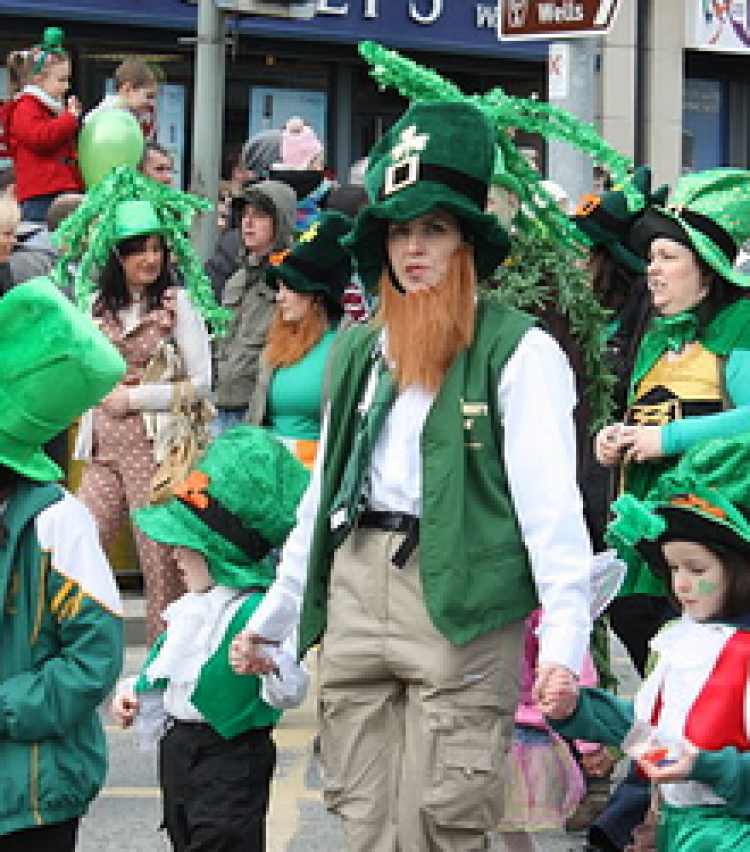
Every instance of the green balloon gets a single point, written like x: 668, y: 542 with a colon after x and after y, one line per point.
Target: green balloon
x: 111, y: 137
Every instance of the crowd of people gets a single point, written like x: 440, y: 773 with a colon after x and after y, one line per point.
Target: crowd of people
x: 340, y: 436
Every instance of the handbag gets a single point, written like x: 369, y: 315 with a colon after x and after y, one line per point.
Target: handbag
x: 181, y: 435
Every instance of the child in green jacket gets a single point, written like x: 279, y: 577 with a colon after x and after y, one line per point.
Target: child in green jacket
x: 216, y: 753
x: 61, y: 636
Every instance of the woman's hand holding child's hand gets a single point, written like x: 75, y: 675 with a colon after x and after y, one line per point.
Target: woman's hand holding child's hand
x: 125, y: 707
x: 246, y: 655
x: 555, y: 691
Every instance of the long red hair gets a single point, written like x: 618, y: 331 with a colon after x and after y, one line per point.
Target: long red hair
x: 428, y: 328
x: 288, y: 342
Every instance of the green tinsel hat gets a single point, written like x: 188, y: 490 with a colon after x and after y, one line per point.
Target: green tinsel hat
x: 318, y: 262
x: 608, y: 218
x: 709, y: 212
x: 438, y: 154
x: 87, y: 236
x: 705, y: 499
x: 52, y: 43
x: 238, y: 503
x: 418, y: 83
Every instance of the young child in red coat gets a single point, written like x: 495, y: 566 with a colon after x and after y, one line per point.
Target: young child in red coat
x: 39, y: 125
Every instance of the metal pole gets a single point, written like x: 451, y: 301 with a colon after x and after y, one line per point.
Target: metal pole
x: 572, y: 89
x: 208, y: 121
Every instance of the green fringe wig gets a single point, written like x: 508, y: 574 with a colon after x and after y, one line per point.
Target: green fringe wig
x: 86, y: 237
x: 544, y: 266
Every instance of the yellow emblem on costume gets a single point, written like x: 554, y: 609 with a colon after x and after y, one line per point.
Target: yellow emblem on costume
x: 310, y: 233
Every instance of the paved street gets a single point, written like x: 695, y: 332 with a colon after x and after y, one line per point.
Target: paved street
x: 127, y: 814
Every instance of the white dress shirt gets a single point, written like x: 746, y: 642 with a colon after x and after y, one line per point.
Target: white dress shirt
x: 536, y: 397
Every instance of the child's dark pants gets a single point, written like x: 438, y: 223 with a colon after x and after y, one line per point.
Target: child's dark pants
x: 216, y: 791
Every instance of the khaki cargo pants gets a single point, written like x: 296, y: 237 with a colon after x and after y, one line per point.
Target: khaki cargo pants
x: 414, y: 729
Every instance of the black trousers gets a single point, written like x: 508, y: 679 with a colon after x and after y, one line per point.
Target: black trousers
x: 216, y: 791
x: 59, y: 837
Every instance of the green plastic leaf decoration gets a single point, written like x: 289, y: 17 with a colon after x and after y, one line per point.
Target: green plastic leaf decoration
x: 634, y: 521
x: 86, y: 238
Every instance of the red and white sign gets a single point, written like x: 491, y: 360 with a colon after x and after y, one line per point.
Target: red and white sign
x: 549, y: 19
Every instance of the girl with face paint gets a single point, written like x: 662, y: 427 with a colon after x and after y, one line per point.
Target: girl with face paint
x: 692, y: 706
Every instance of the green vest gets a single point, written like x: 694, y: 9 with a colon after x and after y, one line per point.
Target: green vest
x: 473, y: 562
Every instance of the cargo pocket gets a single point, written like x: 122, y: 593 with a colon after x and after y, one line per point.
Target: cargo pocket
x: 465, y: 783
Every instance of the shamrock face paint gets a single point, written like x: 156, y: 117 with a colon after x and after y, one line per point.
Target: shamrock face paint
x: 699, y: 580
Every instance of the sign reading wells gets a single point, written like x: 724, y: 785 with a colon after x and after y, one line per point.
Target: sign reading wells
x: 543, y: 19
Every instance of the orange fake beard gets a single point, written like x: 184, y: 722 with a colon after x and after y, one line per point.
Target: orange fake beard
x: 289, y: 341
x: 428, y: 328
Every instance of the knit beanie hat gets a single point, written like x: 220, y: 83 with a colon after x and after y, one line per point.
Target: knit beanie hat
x: 299, y: 144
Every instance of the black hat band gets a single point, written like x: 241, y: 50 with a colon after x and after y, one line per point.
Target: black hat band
x: 405, y: 174
x: 710, y: 229
x: 229, y: 526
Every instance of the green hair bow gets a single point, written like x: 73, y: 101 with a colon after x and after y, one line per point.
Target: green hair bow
x: 52, y: 41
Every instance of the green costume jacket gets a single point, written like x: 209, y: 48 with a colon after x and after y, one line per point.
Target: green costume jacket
x: 726, y: 336
x: 61, y: 637
x: 474, y: 565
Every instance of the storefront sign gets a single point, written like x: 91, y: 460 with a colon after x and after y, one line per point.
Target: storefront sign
x: 523, y: 19
x: 558, y: 71
x: 456, y: 26
x: 722, y: 25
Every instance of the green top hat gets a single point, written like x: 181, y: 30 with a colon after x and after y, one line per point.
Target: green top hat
x: 54, y: 364
x: 608, y: 218
x: 238, y: 503
x: 708, y: 212
x: 438, y: 154
x: 318, y: 263
x: 704, y: 499
x: 136, y: 218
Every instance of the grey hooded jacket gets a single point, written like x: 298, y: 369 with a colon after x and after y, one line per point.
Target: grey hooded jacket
x: 252, y: 301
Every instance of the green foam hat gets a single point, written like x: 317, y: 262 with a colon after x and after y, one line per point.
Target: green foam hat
x: 607, y: 219
x: 708, y: 211
x: 54, y: 365
x: 238, y: 503
x: 438, y: 154
x: 318, y: 262
x: 136, y: 218
x: 705, y: 499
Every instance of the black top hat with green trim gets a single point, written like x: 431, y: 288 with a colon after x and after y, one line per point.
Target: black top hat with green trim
x: 705, y: 499
x: 608, y: 218
x: 707, y: 212
x: 238, y: 504
x: 438, y: 154
x: 318, y: 262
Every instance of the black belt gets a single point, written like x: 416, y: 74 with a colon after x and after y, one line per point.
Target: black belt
x: 398, y: 522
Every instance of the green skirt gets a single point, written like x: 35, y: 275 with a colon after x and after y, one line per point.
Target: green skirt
x: 701, y: 829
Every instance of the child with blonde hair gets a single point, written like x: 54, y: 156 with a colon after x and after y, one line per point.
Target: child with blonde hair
x: 10, y: 215
x: 40, y: 125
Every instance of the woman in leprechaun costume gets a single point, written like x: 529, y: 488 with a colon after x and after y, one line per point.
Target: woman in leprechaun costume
x: 61, y: 632
x: 691, y: 378
x: 309, y: 281
x: 688, y: 726
x: 442, y: 508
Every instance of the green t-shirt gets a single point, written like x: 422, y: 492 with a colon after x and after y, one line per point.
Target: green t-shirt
x: 295, y: 394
